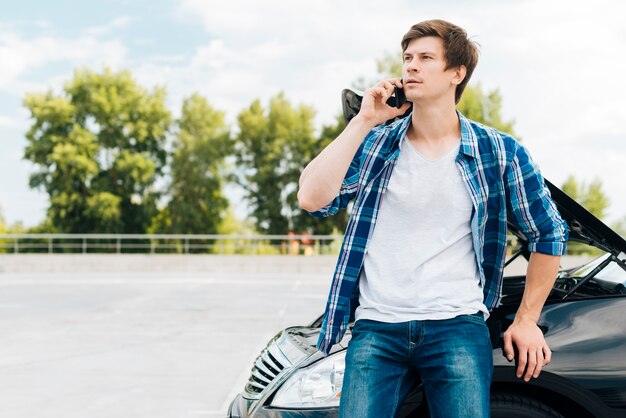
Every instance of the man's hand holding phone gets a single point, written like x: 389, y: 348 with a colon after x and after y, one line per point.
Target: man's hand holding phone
x: 374, y: 107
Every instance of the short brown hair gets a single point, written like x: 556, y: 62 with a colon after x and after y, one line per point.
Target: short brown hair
x: 458, y: 49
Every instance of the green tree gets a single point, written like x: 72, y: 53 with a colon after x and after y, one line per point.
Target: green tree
x: 99, y: 147
x: 619, y: 226
x: 197, y: 205
x: 3, y: 225
x: 591, y: 196
x: 485, y: 108
x: 231, y: 225
x: 15, y: 228
x: 595, y: 200
x: 570, y: 187
x: 332, y: 224
x: 272, y: 149
x: 6, y: 245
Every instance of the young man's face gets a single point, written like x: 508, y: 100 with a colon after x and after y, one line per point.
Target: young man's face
x: 424, y: 61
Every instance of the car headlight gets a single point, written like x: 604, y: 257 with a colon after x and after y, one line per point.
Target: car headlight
x: 318, y: 385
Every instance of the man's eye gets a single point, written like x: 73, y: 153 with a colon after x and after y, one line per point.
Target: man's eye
x: 427, y: 57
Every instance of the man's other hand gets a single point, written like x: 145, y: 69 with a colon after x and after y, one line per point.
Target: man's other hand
x: 533, y: 351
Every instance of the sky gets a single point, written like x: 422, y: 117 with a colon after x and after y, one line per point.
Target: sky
x: 560, y: 67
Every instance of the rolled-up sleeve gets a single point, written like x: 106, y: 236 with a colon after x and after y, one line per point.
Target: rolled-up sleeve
x: 349, y: 186
x: 531, y: 205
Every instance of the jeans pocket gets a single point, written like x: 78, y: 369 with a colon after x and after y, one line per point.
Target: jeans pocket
x: 476, y: 318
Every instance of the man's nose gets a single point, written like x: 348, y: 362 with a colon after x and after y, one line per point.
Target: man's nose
x: 413, y: 65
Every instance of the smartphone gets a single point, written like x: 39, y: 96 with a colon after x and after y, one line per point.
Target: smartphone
x: 398, y: 98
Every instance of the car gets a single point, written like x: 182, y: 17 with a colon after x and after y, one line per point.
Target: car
x: 583, y: 321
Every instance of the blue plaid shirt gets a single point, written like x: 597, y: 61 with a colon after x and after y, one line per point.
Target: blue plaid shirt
x: 499, y: 175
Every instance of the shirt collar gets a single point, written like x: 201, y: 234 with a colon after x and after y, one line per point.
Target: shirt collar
x: 468, y: 145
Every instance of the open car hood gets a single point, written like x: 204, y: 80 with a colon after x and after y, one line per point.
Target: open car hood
x: 582, y: 225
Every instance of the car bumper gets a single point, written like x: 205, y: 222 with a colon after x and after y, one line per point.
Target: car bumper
x: 239, y: 409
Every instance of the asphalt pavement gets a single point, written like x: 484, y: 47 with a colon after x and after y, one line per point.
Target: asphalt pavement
x: 140, y: 345
x: 167, y: 344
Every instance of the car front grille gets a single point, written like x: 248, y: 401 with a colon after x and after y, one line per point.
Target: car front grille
x: 268, y: 365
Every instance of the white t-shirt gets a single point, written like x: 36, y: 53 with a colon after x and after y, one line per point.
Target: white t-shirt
x: 420, y: 261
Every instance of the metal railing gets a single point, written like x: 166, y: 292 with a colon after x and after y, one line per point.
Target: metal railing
x: 171, y: 243
x: 290, y: 244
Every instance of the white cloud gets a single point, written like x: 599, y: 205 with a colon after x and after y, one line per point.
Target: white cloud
x: 214, y: 56
x: 546, y: 58
x: 20, y: 56
x: 308, y: 50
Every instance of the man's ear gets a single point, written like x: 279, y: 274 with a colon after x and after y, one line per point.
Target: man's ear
x: 459, y: 74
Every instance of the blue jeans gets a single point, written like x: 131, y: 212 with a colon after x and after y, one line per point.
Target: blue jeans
x: 453, y: 357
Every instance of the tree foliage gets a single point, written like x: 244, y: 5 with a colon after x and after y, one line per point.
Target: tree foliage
x: 197, y: 204
x: 98, y: 147
x: 590, y: 196
x: 272, y: 148
x: 101, y: 145
x: 619, y: 226
x: 3, y: 225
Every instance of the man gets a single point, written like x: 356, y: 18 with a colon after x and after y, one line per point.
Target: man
x: 421, y: 264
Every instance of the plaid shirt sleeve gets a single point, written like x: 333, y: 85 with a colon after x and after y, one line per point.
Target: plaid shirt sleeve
x: 533, y: 209
x: 348, y: 189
